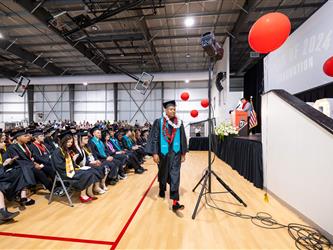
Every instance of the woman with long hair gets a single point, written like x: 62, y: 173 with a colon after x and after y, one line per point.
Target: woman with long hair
x: 86, y: 158
x: 63, y: 160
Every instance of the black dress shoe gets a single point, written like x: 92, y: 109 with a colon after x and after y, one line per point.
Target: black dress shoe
x: 113, y: 182
x: 177, y: 207
x: 5, y: 215
x: 161, y: 194
x: 139, y: 171
x: 26, y: 202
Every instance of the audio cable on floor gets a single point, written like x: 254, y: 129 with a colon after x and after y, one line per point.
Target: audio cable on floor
x: 305, y: 237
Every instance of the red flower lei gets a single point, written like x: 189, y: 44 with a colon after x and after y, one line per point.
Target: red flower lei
x: 166, y: 134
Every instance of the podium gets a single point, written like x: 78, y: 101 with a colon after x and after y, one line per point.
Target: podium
x: 239, y: 120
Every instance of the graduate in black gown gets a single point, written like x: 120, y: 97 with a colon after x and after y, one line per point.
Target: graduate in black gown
x: 63, y: 160
x: 86, y: 158
x: 23, y: 159
x: 167, y: 143
x: 132, y: 160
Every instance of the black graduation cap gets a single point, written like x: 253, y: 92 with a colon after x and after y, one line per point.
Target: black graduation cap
x: 169, y: 103
x: 119, y: 132
x: 82, y: 132
x: 64, y: 133
x: 37, y: 132
x: 19, y: 132
x: 49, y: 130
x: 30, y: 130
x: 1, y: 130
x: 92, y: 130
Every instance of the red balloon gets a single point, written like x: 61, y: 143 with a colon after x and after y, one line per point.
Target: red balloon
x: 269, y: 32
x: 204, y: 103
x: 194, y: 113
x: 184, y: 96
x: 328, y: 67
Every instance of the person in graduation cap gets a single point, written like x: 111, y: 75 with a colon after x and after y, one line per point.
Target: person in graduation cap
x: 133, y: 161
x: 42, y: 156
x: 65, y: 164
x: 168, y: 146
x: 86, y: 158
x: 50, y: 142
x: 99, y: 152
x: 23, y: 159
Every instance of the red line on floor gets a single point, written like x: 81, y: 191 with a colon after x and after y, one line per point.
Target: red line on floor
x: 42, y: 237
x: 114, y: 245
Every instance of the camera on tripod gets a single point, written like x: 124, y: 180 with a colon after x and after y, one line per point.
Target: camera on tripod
x: 212, y: 47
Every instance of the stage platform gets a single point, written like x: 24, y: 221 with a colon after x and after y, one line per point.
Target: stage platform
x: 242, y: 153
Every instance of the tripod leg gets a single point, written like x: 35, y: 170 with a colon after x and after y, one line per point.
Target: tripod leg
x: 200, y: 195
x: 199, y: 181
x: 229, y: 189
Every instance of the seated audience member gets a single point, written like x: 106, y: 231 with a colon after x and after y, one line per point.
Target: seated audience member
x: 133, y: 161
x: 99, y: 152
x: 64, y: 163
x: 138, y: 137
x: 23, y: 159
x: 119, y: 157
x: 42, y: 156
x: 130, y: 145
x: 50, y: 140
x: 86, y: 158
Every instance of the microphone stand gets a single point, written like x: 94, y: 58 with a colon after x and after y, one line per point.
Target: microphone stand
x: 206, y: 179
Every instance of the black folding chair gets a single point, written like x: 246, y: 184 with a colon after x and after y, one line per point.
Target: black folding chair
x: 62, y: 181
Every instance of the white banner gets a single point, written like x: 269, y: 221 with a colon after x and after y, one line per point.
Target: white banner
x: 298, y: 65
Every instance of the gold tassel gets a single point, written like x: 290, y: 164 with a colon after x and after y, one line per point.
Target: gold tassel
x: 266, y: 198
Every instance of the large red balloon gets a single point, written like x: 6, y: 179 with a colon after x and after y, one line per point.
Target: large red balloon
x: 204, y: 103
x: 194, y: 113
x: 328, y: 67
x: 269, y: 32
x: 184, y: 96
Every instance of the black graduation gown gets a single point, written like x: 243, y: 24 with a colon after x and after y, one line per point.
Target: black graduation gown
x: 49, y: 144
x: 84, y: 178
x: 12, y: 180
x: 132, y: 160
x: 112, y: 166
x: 100, y: 171
x: 23, y: 162
x: 169, y: 166
x: 43, y: 158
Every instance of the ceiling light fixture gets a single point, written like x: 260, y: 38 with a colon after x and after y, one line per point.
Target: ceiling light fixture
x: 189, y: 21
x: 1, y: 36
x: 85, y: 84
x: 188, y: 55
x: 187, y: 81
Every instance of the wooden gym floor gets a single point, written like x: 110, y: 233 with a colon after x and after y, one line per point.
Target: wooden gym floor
x: 131, y: 216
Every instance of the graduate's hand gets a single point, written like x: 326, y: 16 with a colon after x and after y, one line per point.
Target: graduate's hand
x: 75, y: 157
x: 109, y: 158
x: 156, y: 158
x: 183, y: 158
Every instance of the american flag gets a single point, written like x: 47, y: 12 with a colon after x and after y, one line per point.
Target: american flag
x: 253, y: 117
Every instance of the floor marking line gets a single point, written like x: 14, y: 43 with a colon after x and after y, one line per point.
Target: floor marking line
x: 114, y: 245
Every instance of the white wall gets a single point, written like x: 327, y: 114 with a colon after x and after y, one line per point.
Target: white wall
x: 298, y: 64
x: 13, y: 108
x: 127, y: 109
x: 298, y: 160
x: 93, y: 102
x: 52, y: 97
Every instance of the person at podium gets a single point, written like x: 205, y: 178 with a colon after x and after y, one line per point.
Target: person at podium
x: 246, y: 106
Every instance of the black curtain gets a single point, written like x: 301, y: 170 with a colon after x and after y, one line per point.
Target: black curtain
x: 254, y: 86
x: 311, y: 95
